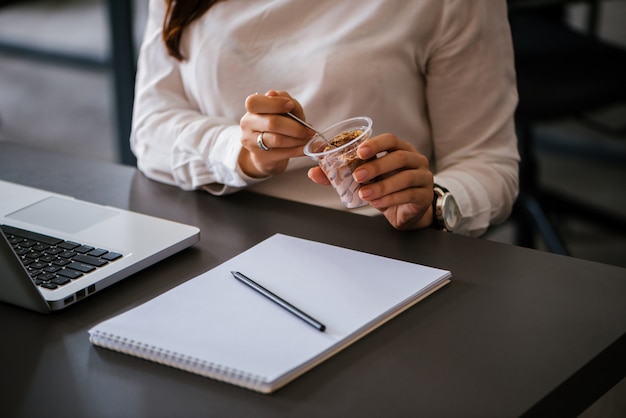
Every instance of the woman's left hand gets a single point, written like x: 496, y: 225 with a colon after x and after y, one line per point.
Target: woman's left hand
x: 401, y: 181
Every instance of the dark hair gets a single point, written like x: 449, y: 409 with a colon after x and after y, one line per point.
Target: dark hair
x: 178, y: 15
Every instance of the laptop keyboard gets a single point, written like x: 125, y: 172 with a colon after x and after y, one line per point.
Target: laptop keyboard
x: 53, y: 262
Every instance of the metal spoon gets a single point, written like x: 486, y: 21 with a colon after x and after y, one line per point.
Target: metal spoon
x: 300, y: 121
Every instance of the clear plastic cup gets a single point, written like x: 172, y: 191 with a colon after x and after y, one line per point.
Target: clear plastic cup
x: 339, y: 162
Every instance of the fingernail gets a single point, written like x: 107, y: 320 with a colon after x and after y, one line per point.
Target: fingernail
x: 363, y: 152
x: 365, y: 192
x: 359, y: 175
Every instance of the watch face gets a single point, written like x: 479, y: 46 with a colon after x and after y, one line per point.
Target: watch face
x: 451, y: 212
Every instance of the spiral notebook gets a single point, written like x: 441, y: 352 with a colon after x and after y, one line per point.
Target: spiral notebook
x: 217, y: 327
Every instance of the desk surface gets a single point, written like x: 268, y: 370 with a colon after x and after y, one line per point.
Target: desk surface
x: 517, y: 332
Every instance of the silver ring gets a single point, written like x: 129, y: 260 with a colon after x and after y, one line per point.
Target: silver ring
x: 259, y: 142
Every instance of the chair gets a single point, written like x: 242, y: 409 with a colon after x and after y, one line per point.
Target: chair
x: 561, y: 73
x: 121, y: 64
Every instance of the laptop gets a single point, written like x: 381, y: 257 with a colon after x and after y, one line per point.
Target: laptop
x: 56, y: 250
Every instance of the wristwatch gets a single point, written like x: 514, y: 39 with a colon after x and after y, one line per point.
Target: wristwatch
x: 446, y: 213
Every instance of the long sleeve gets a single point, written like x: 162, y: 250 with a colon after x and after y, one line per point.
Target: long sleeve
x: 471, y: 98
x: 173, y: 140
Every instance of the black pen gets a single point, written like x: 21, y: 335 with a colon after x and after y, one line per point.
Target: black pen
x: 277, y: 300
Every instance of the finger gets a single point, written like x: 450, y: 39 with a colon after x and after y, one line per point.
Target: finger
x: 411, y: 196
x: 274, y: 141
x: 272, y: 122
x: 261, y: 103
x: 382, y: 143
x: 317, y: 175
x: 297, y: 107
x: 388, y: 164
x: 258, y: 163
x: 274, y: 155
x: 277, y: 93
x: 392, y: 188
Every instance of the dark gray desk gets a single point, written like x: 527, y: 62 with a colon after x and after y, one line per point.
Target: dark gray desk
x: 517, y: 332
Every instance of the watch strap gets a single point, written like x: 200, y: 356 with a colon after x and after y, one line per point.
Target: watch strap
x: 438, y: 193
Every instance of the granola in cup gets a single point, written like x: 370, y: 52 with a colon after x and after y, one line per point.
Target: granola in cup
x: 337, y: 157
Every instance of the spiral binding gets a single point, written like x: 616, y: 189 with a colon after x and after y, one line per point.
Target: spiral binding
x: 180, y: 361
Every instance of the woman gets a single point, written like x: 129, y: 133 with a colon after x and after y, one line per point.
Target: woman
x: 436, y: 77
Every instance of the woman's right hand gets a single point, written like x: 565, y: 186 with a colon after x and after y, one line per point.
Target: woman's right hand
x: 284, y: 137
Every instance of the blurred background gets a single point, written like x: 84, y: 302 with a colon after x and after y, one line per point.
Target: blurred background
x: 67, y: 66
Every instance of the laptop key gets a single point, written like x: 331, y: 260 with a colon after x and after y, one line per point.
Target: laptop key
x: 13, y: 240
x: 48, y: 285
x: 22, y: 251
x: 87, y: 259
x: 46, y: 276
x: 67, y: 254
x: 99, y: 252
x: 83, y: 249
x: 68, y: 245
x: 60, y: 280
x: 83, y: 268
x: 33, y: 254
x: 47, y: 258
x: 60, y: 262
x: 70, y: 274
x: 37, y: 265
x: 26, y: 261
x: 111, y: 256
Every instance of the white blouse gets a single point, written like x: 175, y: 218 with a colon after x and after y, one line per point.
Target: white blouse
x: 437, y: 73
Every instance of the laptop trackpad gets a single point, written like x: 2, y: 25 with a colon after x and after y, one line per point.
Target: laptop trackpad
x: 62, y: 214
